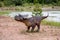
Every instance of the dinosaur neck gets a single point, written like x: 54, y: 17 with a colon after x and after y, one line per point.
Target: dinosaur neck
x: 24, y: 21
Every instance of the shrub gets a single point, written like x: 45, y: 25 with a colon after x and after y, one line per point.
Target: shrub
x: 58, y: 3
x: 37, y: 10
x: 17, y: 9
x: 8, y: 3
x: 1, y: 4
x: 13, y: 2
x: 54, y: 3
x: 26, y: 4
x: 18, y: 2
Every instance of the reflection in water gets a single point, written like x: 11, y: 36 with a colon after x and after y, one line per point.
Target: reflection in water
x: 53, y: 15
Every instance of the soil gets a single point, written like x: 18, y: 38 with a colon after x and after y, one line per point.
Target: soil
x: 14, y: 30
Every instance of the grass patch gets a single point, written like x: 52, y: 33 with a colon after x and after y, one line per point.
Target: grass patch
x: 4, y: 12
x: 51, y: 23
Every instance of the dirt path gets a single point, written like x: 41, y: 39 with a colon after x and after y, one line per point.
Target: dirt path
x: 13, y: 30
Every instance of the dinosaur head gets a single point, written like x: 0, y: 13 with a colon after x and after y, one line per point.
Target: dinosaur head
x: 19, y: 17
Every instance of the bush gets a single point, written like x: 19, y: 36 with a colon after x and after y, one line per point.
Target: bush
x: 17, y: 9
x: 58, y: 3
x: 37, y: 10
x: 18, y: 2
x: 55, y: 4
x: 8, y: 3
x: 13, y: 2
x: 26, y: 4
x: 1, y: 4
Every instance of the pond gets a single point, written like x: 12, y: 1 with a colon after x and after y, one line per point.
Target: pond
x: 53, y: 15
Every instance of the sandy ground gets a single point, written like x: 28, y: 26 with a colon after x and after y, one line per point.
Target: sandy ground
x: 13, y: 30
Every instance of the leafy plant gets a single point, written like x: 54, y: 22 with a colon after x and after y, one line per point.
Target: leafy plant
x: 1, y: 4
x: 58, y: 3
x: 37, y: 10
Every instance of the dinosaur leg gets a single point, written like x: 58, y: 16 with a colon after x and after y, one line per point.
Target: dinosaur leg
x: 32, y: 28
x: 28, y: 28
x: 38, y: 28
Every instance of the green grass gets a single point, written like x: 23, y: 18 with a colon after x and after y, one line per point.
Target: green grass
x: 4, y: 12
x: 51, y: 23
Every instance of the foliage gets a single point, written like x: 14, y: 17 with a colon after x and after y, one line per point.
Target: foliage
x: 37, y: 10
x: 21, y: 2
x: 18, y: 2
x: 58, y: 3
x: 1, y: 4
x: 8, y: 3
x: 35, y: 1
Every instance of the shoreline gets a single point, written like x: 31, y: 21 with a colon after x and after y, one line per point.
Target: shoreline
x: 55, y: 8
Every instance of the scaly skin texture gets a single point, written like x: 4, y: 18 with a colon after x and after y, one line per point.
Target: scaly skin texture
x: 31, y: 22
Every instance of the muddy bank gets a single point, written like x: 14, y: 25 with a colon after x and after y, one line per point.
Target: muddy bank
x: 13, y: 30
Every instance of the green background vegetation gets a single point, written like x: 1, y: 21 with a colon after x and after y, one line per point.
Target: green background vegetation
x: 22, y: 2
